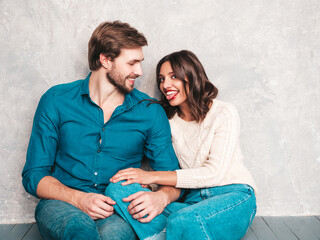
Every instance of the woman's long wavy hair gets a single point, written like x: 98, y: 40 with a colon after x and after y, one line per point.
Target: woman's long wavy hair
x: 187, y: 67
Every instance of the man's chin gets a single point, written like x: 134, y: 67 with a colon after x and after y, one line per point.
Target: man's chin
x: 126, y: 89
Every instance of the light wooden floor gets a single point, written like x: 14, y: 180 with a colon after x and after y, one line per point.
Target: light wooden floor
x: 262, y: 228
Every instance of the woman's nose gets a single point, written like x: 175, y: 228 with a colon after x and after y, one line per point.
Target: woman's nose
x: 167, y: 83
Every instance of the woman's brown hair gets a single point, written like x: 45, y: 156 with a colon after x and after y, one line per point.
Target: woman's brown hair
x: 188, y: 68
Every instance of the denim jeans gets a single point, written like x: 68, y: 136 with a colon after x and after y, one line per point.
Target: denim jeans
x: 145, y: 231
x: 61, y: 220
x: 223, y: 212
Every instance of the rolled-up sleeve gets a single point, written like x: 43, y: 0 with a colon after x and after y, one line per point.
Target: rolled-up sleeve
x: 159, y: 149
x: 42, y: 145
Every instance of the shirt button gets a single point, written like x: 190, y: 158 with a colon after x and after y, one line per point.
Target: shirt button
x: 96, y: 173
x: 95, y: 184
x: 98, y: 151
x: 103, y: 129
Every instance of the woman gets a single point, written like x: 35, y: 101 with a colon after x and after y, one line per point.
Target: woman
x: 219, y: 201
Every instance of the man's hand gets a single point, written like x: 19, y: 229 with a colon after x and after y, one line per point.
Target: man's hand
x: 145, y: 206
x: 95, y: 205
x: 134, y: 175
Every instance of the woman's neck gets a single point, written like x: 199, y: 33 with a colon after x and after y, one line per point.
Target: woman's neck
x: 185, y: 112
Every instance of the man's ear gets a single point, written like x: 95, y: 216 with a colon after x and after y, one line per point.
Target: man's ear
x: 105, y: 61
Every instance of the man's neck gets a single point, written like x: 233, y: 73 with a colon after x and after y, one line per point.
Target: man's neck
x: 102, y: 92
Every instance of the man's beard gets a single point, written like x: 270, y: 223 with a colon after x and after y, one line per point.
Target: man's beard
x: 119, y: 82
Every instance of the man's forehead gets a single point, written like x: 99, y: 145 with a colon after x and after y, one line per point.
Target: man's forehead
x: 132, y: 54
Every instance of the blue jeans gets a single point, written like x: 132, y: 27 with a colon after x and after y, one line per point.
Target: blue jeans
x: 223, y: 212
x: 61, y: 220
x: 153, y: 230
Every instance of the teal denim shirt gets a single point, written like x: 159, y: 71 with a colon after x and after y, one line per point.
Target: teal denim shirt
x: 67, y: 129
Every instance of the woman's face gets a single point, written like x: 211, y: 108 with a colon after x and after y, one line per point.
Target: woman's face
x: 171, y: 86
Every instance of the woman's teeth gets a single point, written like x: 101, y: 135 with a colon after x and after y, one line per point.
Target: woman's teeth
x: 171, y: 94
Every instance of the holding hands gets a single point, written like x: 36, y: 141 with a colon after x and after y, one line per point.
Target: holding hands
x: 145, y: 205
x: 134, y: 175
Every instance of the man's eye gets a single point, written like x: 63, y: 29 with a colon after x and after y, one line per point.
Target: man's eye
x: 173, y: 76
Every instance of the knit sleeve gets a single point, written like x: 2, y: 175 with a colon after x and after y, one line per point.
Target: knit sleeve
x: 215, y: 167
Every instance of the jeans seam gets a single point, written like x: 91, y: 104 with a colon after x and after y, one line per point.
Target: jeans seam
x: 39, y: 220
x: 202, y: 226
x: 230, y: 207
x: 251, y: 217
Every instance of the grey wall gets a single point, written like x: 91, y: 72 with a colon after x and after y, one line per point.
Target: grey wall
x: 263, y: 56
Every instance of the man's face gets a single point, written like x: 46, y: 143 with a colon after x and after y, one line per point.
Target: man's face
x: 126, y: 68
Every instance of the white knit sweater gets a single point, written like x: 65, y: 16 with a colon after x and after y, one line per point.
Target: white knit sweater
x: 209, y: 152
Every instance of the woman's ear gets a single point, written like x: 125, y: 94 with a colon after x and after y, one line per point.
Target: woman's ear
x: 105, y: 61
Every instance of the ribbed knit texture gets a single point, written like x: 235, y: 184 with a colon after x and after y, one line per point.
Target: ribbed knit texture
x: 209, y: 152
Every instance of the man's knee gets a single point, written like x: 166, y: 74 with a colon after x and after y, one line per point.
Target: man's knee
x: 60, y: 220
x: 74, y: 229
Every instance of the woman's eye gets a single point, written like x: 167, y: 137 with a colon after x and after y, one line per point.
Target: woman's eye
x: 161, y: 79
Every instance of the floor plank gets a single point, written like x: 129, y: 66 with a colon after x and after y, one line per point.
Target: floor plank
x: 313, y: 224
x: 33, y: 233
x: 250, y: 235
x: 279, y: 228
x: 6, y: 227
x: 4, y: 230
x: 262, y: 230
x: 19, y: 230
x: 300, y: 227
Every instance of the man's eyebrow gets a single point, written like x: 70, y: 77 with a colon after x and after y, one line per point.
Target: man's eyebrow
x: 136, y: 60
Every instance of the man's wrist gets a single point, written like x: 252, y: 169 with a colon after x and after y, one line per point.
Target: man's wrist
x: 75, y: 197
x: 164, y: 195
x: 156, y: 177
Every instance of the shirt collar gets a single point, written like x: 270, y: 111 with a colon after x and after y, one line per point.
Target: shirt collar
x: 85, y: 86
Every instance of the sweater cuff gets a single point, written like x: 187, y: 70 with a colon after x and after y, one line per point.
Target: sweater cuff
x: 183, y: 179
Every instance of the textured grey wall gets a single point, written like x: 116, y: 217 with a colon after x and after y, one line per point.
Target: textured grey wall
x: 263, y: 56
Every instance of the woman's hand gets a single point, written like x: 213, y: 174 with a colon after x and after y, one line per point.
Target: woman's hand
x: 134, y: 175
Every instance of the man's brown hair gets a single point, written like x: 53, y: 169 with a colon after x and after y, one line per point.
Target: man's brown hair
x: 109, y: 38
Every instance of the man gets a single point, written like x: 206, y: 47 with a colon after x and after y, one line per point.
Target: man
x: 84, y: 132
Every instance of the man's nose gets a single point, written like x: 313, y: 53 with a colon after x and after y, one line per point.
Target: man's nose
x: 138, y: 70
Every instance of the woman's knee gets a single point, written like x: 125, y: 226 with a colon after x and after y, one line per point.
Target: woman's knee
x: 179, y: 220
x: 118, y: 191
